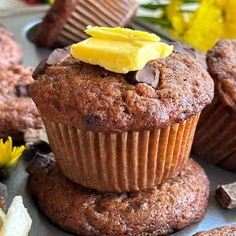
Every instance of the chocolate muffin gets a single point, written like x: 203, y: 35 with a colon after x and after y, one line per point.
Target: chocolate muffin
x: 229, y: 230
x: 120, y: 134
x: 66, y: 20
x: 176, y: 204
x: 215, y: 138
x: 10, y: 50
x: 17, y: 110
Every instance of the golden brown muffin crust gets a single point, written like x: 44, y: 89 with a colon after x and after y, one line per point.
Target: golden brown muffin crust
x: 90, y: 97
x: 221, y: 61
x: 17, y: 113
x: 10, y: 50
x: 172, y: 206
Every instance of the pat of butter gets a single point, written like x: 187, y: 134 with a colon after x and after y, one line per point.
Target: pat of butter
x: 119, y: 50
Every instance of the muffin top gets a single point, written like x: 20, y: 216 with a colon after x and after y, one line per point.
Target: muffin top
x: 10, y: 50
x: 17, y: 110
x: 91, y: 98
x: 221, y: 61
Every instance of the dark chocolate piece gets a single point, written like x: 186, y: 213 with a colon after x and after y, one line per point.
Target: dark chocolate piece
x: 40, y: 161
x: 40, y: 68
x: 58, y: 55
x: 226, y: 195
x: 36, y: 140
x: 91, y: 121
x: 22, y: 90
x: 148, y: 75
x: 3, y: 196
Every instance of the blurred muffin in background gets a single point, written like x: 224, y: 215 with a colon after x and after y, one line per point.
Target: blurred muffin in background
x: 215, y: 138
x: 66, y: 20
x: 17, y: 110
x: 10, y: 50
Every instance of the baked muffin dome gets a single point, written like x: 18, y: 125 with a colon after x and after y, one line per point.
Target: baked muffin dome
x: 91, y: 97
x: 215, y: 138
x: 10, y: 50
x: 17, y: 110
x: 222, y: 67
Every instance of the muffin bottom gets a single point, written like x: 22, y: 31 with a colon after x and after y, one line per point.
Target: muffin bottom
x: 172, y: 206
x: 215, y: 138
x: 121, y: 162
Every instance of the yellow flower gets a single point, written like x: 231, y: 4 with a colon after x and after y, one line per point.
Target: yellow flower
x: 9, y: 155
x: 176, y: 17
x: 206, y: 26
x: 230, y: 19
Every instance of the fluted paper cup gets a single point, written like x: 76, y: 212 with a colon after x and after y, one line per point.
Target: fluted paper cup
x: 96, y: 13
x: 121, y: 162
x: 215, y: 139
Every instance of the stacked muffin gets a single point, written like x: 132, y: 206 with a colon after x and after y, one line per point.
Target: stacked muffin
x: 122, y: 131
x: 17, y: 110
x: 216, y: 134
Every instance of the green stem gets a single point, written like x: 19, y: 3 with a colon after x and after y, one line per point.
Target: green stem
x: 155, y: 20
x: 153, y: 6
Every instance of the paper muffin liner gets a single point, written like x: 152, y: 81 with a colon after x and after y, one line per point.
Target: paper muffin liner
x: 121, y: 162
x: 215, y: 139
x: 96, y: 13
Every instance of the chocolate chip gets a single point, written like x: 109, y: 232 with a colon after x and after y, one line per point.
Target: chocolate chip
x: 40, y: 68
x: 22, y: 90
x: 91, y: 121
x: 148, y: 75
x: 55, y: 57
x: 129, y: 209
x: 40, y: 160
x: 105, y: 74
x: 58, y: 55
x: 226, y: 195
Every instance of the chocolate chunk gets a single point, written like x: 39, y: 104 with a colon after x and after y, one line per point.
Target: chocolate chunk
x: 58, y: 55
x: 40, y: 68
x: 129, y: 209
x: 91, y: 121
x: 40, y: 161
x: 22, y: 90
x: 55, y: 57
x: 148, y: 75
x: 226, y: 195
x: 36, y: 140
x: 3, y: 196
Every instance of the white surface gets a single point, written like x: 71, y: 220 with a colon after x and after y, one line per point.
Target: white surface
x: 8, y: 4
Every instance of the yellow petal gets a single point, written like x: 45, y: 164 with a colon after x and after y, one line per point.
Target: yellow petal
x: 5, y: 152
x: 15, y: 155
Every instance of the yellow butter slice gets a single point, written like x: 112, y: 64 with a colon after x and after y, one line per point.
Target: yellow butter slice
x: 119, y: 50
x: 121, y: 34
